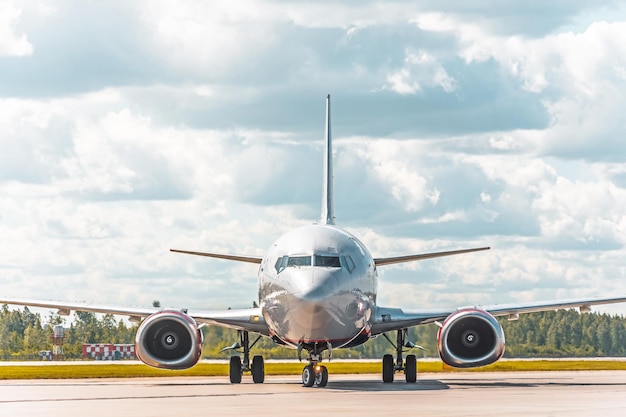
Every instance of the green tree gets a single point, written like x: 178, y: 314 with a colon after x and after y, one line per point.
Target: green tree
x: 35, y: 339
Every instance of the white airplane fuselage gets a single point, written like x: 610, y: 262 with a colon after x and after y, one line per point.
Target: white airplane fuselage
x: 317, y: 285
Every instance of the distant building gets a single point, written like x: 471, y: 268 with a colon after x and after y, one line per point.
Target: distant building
x: 107, y: 351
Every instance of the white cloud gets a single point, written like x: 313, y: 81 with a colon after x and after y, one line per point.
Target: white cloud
x: 12, y: 43
x: 581, y: 75
x: 182, y: 125
x: 209, y: 37
x: 406, y: 185
x: 447, y: 217
x: 420, y: 68
x: 345, y: 16
x: 582, y: 211
x: 515, y: 170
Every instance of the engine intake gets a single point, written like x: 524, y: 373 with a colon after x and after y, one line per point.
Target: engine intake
x: 169, y: 340
x: 470, y: 338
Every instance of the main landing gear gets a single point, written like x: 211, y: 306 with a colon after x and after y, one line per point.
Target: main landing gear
x: 409, y: 366
x: 237, y: 368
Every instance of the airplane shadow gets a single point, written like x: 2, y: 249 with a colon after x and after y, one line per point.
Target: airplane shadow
x: 420, y: 385
x: 435, y: 385
x: 342, y: 385
x: 379, y: 386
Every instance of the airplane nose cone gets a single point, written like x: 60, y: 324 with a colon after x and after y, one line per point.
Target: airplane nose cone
x: 323, y: 306
x: 312, y: 285
x: 323, y: 284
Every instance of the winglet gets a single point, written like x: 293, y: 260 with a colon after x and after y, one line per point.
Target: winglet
x: 328, y: 205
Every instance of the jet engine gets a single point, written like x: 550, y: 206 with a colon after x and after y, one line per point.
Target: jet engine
x: 470, y: 338
x: 169, y: 339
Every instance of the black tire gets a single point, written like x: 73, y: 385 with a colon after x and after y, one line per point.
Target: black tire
x: 388, y: 368
x: 308, y: 376
x: 322, y: 379
x: 235, y: 370
x: 410, y: 369
x: 258, y: 369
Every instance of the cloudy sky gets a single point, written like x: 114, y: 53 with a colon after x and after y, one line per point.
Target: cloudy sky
x: 128, y: 128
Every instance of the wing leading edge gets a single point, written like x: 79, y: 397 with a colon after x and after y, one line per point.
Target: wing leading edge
x: 249, y: 319
x: 418, y: 257
x: 240, y: 258
x: 377, y: 261
x: 388, y: 319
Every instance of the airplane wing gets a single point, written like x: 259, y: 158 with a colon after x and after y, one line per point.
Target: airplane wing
x: 377, y: 261
x: 417, y: 257
x: 388, y: 319
x: 240, y: 258
x: 249, y: 319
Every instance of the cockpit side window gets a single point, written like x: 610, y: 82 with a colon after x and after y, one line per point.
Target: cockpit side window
x: 327, y: 261
x: 281, y: 264
x: 348, y: 263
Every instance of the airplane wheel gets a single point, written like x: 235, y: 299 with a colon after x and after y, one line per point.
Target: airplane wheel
x: 235, y: 370
x: 388, y: 368
x: 321, y: 379
x: 410, y: 368
x: 258, y: 369
x: 308, y: 376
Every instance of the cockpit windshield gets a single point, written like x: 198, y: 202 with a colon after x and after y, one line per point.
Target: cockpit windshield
x: 299, y: 261
x: 291, y: 261
x: 325, y: 261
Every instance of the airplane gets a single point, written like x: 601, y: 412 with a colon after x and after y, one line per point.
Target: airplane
x: 317, y: 293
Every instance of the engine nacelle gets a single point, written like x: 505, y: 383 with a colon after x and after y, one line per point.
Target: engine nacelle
x: 169, y: 339
x: 470, y: 338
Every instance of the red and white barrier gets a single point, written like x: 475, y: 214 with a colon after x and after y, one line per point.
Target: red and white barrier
x: 107, y: 351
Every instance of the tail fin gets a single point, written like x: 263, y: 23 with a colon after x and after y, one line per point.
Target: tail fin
x: 328, y: 205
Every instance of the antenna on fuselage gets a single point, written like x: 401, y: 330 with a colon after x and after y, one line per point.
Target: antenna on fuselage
x: 328, y: 205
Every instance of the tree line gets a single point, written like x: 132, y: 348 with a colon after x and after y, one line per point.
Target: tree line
x: 563, y: 333
x: 23, y: 334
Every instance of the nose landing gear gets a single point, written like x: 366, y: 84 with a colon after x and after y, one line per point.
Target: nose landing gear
x: 315, y: 374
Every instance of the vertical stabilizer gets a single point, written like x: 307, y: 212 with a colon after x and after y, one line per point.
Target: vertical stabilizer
x: 328, y: 206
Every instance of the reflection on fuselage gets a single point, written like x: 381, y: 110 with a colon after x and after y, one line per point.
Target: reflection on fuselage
x: 318, y: 285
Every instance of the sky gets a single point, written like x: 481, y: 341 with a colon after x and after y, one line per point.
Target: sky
x: 129, y: 128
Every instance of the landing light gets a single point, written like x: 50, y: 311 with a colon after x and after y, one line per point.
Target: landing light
x: 255, y: 319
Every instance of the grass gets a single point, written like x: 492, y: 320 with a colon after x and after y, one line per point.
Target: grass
x: 74, y: 371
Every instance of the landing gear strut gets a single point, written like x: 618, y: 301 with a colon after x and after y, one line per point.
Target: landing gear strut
x: 237, y: 368
x: 409, y: 367
x: 314, y: 373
